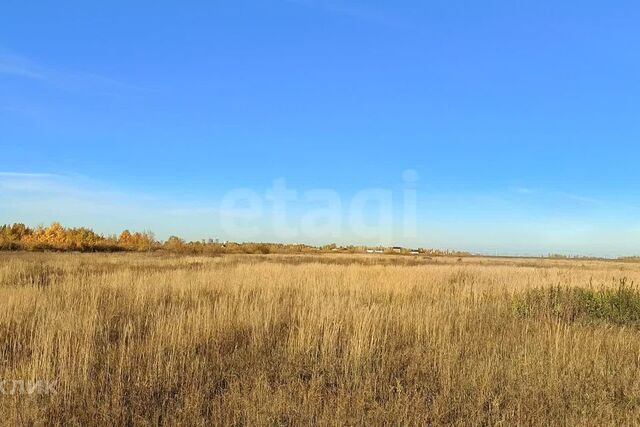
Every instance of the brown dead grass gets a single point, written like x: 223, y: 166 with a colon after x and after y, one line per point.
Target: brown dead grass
x: 138, y: 339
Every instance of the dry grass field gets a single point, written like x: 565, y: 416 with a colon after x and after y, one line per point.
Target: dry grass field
x: 149, y: 339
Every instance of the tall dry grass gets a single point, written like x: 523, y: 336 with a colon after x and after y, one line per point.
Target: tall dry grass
x: 139, y: 339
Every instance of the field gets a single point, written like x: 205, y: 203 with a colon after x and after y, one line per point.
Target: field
x: 151, y: 339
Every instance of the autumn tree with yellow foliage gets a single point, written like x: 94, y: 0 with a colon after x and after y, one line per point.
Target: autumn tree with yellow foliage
x: 55, y: 237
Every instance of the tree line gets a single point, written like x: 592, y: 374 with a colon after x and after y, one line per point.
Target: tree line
x: 56, y: 237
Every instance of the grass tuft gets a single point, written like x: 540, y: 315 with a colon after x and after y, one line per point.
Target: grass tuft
x: 619, y: 305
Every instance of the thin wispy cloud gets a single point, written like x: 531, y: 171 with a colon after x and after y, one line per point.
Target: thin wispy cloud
x: 19, y: 187
x: 13, y: 65
x: 569, y: 196
x: 41, y: 198
x: 26, y: 175
x: 19, y: 66
x: 60, y: 189
x: 579, y: 198
x: 524, y: 190
x: 19, y: 109
x: 19, y: 182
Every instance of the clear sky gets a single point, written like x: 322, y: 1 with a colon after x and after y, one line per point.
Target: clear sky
x: 518, y: 122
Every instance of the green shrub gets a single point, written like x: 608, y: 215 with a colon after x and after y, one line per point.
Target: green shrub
x: 618, y: 305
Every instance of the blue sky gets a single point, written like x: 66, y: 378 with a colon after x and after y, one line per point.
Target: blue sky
x: 520, y: 119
